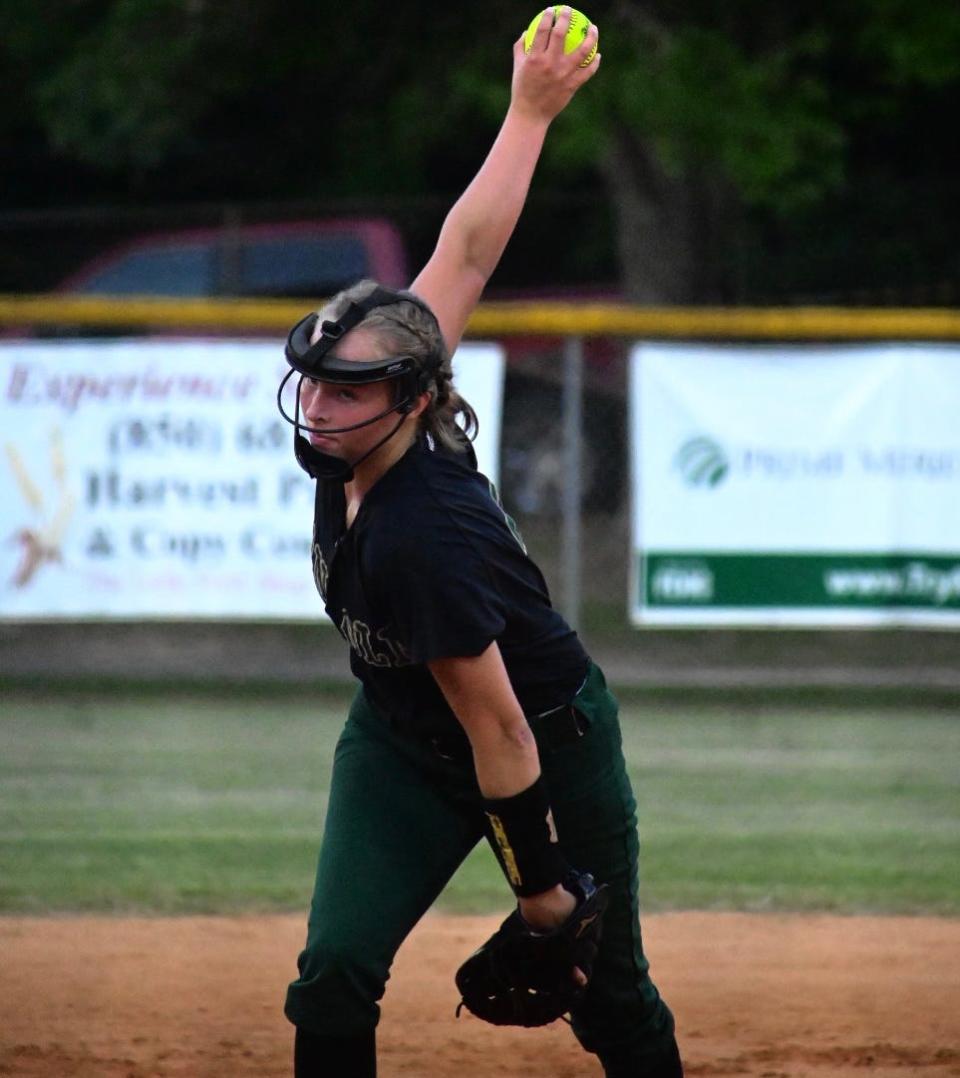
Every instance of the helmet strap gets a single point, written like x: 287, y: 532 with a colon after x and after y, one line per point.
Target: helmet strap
x: 320, y: 465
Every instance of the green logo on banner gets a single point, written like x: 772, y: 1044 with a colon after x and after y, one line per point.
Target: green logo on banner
x: 702, y: 462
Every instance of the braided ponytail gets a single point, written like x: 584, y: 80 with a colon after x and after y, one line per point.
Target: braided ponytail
x: 449, y: 419
x: 410, y: 328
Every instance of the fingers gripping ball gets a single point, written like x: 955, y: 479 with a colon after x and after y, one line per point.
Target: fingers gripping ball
x: 520, y: 977
x: 577, y: 31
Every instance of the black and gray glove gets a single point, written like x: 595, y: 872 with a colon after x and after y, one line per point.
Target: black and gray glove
x: 522, y: 977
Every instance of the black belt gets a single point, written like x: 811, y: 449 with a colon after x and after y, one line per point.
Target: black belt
x: 552, y: 729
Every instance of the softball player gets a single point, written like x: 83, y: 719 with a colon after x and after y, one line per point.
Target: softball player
x: 478, y: 713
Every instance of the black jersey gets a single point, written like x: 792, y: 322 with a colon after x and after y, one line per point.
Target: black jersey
x: 433, y: 568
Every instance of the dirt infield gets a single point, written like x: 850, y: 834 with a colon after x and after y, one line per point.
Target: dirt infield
x: 772, y: 996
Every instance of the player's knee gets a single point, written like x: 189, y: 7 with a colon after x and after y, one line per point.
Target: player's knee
x: 336, y: 992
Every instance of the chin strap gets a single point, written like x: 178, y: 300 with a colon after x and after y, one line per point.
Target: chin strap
x: 319, y: 465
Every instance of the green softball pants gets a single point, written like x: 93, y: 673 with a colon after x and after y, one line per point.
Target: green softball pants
x: 401, y: 819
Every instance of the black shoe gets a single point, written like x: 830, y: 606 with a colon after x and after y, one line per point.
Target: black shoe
x: 334, y: 1057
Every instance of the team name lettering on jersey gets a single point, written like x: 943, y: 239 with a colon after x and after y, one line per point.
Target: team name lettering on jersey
x: 374, y: 647
x: 321, y: 572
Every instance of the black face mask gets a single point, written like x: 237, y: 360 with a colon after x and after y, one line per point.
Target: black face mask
x: 314, y: 361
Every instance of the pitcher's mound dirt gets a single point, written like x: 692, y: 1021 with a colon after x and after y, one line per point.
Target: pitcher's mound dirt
x: 764, y: 995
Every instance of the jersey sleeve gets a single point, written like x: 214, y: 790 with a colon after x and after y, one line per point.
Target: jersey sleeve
x: 441, y: 594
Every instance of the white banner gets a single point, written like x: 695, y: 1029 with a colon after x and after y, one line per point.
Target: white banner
x: 795, y: 484
x: 156, y: 479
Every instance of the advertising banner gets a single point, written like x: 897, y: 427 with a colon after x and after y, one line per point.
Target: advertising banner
x: 156, y: 479
x: 795, y: 485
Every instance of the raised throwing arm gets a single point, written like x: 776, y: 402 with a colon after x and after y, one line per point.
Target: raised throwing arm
x: 480, y: 223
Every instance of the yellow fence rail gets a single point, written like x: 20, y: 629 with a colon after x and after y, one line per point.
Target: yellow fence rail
x: 492, y: 319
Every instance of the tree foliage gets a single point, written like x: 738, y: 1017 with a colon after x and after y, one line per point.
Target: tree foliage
x: 705, y: 115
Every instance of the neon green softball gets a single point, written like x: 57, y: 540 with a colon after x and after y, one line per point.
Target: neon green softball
x: 579, y: 24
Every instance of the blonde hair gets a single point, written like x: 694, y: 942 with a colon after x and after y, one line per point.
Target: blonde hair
x: 409, y: 328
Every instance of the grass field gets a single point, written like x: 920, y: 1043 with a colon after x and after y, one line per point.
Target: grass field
x: 166, y: 803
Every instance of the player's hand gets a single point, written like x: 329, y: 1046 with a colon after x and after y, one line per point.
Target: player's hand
x: 549, y: 910
x: 546, y: 78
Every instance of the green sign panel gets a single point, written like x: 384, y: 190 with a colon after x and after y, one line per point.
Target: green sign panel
x: 677, y: 580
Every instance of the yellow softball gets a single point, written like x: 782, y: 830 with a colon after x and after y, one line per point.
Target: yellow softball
x: 577, y: 31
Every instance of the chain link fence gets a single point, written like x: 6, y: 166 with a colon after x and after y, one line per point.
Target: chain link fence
x: 536, y: 478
